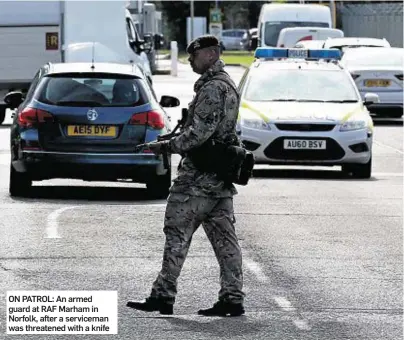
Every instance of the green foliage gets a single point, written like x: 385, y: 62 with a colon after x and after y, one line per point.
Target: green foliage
x: 176, y: 12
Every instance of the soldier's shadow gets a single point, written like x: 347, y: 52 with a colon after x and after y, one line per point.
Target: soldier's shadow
x: 219, y: 327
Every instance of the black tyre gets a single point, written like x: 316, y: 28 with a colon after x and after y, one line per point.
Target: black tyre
x: 158, y: 186
x: 2, y: 113
x: 359, y: 170
x: 20, y: 183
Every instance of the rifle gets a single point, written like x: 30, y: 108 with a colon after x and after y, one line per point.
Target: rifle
x: 167, y: 136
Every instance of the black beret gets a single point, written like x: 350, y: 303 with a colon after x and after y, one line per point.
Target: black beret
x: 202, y: 42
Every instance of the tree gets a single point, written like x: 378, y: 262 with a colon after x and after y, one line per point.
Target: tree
x: 176, y: 13
x: 254, y: 8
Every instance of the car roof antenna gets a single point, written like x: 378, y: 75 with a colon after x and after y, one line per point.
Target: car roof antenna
x: 92, y: 59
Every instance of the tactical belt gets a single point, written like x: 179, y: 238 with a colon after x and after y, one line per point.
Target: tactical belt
x: 231, y: 163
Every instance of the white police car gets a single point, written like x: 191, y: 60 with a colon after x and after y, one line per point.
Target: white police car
x: 300, y: 107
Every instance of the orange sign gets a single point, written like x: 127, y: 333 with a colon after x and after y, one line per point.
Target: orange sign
x: 52, y: 41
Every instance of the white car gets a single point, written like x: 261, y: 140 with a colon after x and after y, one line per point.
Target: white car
x: 351, y: 42
x: 232, y: 38
x: 378, y: 70
x: 305, y: 111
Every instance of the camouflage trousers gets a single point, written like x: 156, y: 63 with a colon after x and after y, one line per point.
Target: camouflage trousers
x: 184, y: 214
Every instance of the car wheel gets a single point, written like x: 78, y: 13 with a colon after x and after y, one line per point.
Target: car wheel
x: 359, y: 170
x: 20, y: 183
x: 158, y: 186
x: 2, y: 113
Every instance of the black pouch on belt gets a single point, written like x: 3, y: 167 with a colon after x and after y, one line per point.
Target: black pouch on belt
x: 231, y: 163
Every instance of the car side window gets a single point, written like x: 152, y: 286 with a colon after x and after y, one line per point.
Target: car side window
x: 240, y: 34
x: 134, y: 30
x: 129, y: 31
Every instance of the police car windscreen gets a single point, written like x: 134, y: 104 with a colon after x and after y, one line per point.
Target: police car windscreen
x: 300, y: 85
x: 95, y: 90
x: 273, y: 28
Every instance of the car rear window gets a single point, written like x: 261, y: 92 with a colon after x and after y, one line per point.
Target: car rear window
x: 92, y: 90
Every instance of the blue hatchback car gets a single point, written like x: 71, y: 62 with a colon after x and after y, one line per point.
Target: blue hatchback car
x: 83, y: 121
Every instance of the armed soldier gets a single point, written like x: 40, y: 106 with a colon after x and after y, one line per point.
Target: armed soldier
x: 200, y: 197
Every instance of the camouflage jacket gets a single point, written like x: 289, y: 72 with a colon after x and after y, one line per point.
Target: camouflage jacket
x: 212, y: 113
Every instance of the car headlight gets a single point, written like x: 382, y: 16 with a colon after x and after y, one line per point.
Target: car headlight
x: 354, y: 123
x: 254, y: 123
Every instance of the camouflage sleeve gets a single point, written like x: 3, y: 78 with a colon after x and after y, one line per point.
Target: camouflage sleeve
x: 207, y: 115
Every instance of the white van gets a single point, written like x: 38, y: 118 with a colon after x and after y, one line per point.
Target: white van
x: 275, y: 17
x: 289, y: 37
x: 33, y: 33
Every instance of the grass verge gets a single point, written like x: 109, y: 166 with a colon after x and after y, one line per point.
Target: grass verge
x: 243, y: 58
x: 238, y: 57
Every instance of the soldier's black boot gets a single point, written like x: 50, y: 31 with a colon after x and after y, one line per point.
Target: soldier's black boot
x: 223, y: 308
x: 152, y: 304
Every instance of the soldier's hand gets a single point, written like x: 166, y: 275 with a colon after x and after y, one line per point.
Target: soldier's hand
x: 157, y: 147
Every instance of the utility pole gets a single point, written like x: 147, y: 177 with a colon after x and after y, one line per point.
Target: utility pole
x: 333, y: 13
x: 192, y: 19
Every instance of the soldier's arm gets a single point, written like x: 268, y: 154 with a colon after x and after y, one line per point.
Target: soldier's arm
x: 207, y: 115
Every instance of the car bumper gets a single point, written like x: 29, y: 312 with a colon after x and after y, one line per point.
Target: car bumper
x: 386, y: 109
x: 389, y: 100
x: 89, y: 166
x: 342, y: 147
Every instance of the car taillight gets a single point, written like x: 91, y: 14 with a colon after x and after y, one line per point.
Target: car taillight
x: 154, y: 119
x: 29, y: 117
x: 354, y: 76
x: 399, y: 76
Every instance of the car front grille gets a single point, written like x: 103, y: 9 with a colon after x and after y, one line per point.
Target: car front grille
x: 332, y: 152
x: 304, y: 127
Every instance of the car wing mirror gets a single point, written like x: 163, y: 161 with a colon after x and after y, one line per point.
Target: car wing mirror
x: 169, y: 101
x: 371, y: 98
x: 14, y: 99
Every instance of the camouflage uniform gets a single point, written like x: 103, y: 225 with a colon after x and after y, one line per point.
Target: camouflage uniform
x: 201, y: 198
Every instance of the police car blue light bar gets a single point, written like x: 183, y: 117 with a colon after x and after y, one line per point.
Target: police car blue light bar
x: 297, y: 53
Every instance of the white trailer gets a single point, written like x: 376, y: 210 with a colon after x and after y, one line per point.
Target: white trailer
x: 33, y: 33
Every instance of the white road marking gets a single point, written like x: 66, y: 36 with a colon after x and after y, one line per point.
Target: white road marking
x: 281, y: 301
x: 52, y: 222
x: 52, y: 219
x: 285, y: 304
x: 388, y: 146
x: 302, y: 324
x: 255, y: 268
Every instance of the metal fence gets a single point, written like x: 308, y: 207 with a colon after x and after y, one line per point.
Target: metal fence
x: 373, y: 20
